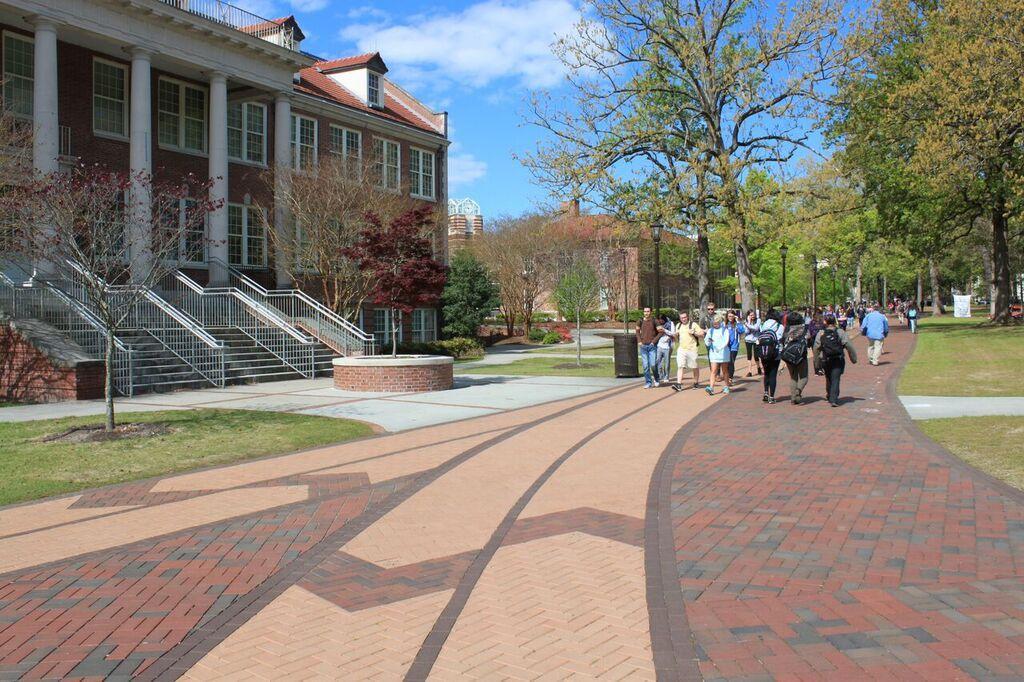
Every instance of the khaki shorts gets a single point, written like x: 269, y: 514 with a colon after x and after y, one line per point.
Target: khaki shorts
x: 686, y: 359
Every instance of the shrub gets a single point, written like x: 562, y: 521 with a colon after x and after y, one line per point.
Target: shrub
x: 458, y: 348
x: 594, y: 316
x: 542, y: 317
x: 469, y: 296
x: 536, y: 334
x: 551, y: 337
x: 564, y: 333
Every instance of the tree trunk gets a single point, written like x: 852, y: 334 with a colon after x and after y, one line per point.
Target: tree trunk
x: 703, y: 268
x: 108, y: 383
x: 1000, y: 282
x: 394, y: 332
x: 858, y: 282
x: 885, y: 292
x: 579, y: 339
x: 920, y: 291
x: 933, y: 275
x: 743, y: 273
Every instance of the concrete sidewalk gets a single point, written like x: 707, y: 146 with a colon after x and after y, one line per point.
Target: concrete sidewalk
x: 939, y: 407
x: 473, y: 396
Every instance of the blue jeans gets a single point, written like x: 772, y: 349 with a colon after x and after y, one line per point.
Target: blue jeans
x: 648, y: 359
x: 913, y: 325
x: 664, y: 361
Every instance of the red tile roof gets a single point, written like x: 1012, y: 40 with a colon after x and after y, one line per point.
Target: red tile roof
x: 313, y: 82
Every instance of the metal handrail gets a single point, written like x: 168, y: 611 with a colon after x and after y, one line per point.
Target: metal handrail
x: 147, y: 312
x: 305, y: 312
x: 42, y: 300
x: 230, y: 307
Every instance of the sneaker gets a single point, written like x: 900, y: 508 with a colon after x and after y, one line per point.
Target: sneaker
x: 725, y: 391
x: 797, y: 400
x: 696, y: 385
x: 749, y: 374
x: 646, y: 386
x: 709, y: 390
x: 771, y: 400
x: 834, y: 404
x: 764, y: 398
x: 677, y: 388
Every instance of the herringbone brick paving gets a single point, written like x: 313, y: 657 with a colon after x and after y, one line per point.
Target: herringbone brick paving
x: 799, y: 542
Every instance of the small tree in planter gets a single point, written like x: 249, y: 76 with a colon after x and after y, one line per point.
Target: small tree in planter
x: 400, y: 264
x: 469, y: 295
x: 89, y: 224
x: 576, y: 293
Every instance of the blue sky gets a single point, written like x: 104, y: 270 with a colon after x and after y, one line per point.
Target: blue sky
x: 477, y: 60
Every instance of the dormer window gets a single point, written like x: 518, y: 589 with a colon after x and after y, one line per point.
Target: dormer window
x: 374, y: 96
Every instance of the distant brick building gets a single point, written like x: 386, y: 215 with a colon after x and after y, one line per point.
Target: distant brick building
x: 465, y: 221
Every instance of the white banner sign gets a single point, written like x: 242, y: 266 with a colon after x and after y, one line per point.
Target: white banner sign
x: 961, y: 306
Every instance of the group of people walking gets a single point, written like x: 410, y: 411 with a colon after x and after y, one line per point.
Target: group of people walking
x: 797, y: 340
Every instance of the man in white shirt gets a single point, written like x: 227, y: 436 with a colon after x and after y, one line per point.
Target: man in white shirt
x: 665, y: 348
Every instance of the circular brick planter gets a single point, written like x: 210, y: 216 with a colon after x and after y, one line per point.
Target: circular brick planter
x: 386, y: 374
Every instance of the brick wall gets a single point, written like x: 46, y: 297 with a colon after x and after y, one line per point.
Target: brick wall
x: 393, y: 379
x: 28, y: 375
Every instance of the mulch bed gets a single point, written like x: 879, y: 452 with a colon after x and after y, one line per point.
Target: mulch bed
x: 98, y: 434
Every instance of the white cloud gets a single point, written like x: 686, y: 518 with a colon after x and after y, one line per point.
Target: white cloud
x: 307, y: 5
x: 488, y: 41
x: 464, y: 169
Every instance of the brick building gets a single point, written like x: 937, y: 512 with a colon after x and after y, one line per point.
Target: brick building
x: 465, y: 221
x: 171, y: 87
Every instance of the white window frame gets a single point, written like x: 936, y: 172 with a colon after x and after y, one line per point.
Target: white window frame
x: 377, y: 101
x: 123, y: 68
x: 383, y: 337
x: 244, y: 131
x: 416, y: 178
x: 294, y: 133
x: 247, y: 235
x: 419, y: 329
x: 179, y: 146
x: 344, y: 152
x: 381, y: 166
x: 182, y: 249
x: 8, y: 76
x: 305, y: 268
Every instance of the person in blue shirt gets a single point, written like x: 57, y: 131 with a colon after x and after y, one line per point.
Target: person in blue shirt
x: 874, y: 327
x: 717, y: 340
x: 736, y: 331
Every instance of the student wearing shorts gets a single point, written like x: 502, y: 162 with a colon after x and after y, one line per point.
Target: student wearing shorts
x: 687, y: 335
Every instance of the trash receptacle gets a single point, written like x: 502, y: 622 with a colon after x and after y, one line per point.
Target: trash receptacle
x: 626, y: 361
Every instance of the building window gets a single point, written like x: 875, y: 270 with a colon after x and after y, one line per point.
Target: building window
x: 424, y: 325
x: 421, y: 173
x: 19, y: 74
x: 303, y: 143
x: 382, y: 327
x: 347, y: 144
x: 386, y: 162
x: 247, y: 132
x: 373, y: 92
x: 181, y: 117
x: 247, y: 236
x: 109, y: 98
x: 190, y: 239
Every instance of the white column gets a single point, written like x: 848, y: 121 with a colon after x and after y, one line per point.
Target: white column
x: 219, y: 176
x: 282, y: 168
x: 141, y: 165
x: 45, y: 126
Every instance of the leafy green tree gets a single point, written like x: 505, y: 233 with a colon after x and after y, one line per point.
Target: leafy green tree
x: 469, y: 295
x: 577, y: 292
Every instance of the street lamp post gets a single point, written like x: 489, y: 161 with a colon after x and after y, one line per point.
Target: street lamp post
x: 783, y: 250
x: 656, y: 234
x: 814, y: 282
x: 834, y: 301
x: 625, y: 295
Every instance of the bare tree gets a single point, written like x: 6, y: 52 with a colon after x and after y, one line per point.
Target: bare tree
x: 92, y: 224
x: 328, y: 206
x: 577, y: 291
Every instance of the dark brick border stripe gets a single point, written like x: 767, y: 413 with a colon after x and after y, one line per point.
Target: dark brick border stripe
x: 431, y: 647
x: 174, y: 663
x: 671, y: 640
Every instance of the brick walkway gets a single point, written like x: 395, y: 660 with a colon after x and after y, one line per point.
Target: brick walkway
x: 627, y: 534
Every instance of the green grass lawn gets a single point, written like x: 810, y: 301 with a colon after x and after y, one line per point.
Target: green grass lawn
x: 959, y: 357
x: 566, y: 348
x: 991, y: 444
x: 197, y: 438
x: 547, y: 366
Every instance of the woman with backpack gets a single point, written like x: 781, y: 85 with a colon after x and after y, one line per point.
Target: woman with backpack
x: 912, y: 313
x: 717, y: 341
x: 753, y: 328
x: 794, y: 354
x: 768, y: 353
x: 829, y: 345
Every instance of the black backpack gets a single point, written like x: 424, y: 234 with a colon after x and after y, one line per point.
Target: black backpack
x: 795, y: 352
x: 831, y: 346
x: 767, y: 345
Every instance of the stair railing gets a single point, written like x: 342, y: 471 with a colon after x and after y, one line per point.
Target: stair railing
x: 146, y: 311
x: 42, y: 300
x: 230, y: 307
x: 306, y: 313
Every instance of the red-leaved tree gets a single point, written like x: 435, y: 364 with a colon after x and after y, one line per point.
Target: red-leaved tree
x: 400, y: 263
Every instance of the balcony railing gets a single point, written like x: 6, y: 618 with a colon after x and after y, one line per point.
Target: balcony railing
x: 239, y: 19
